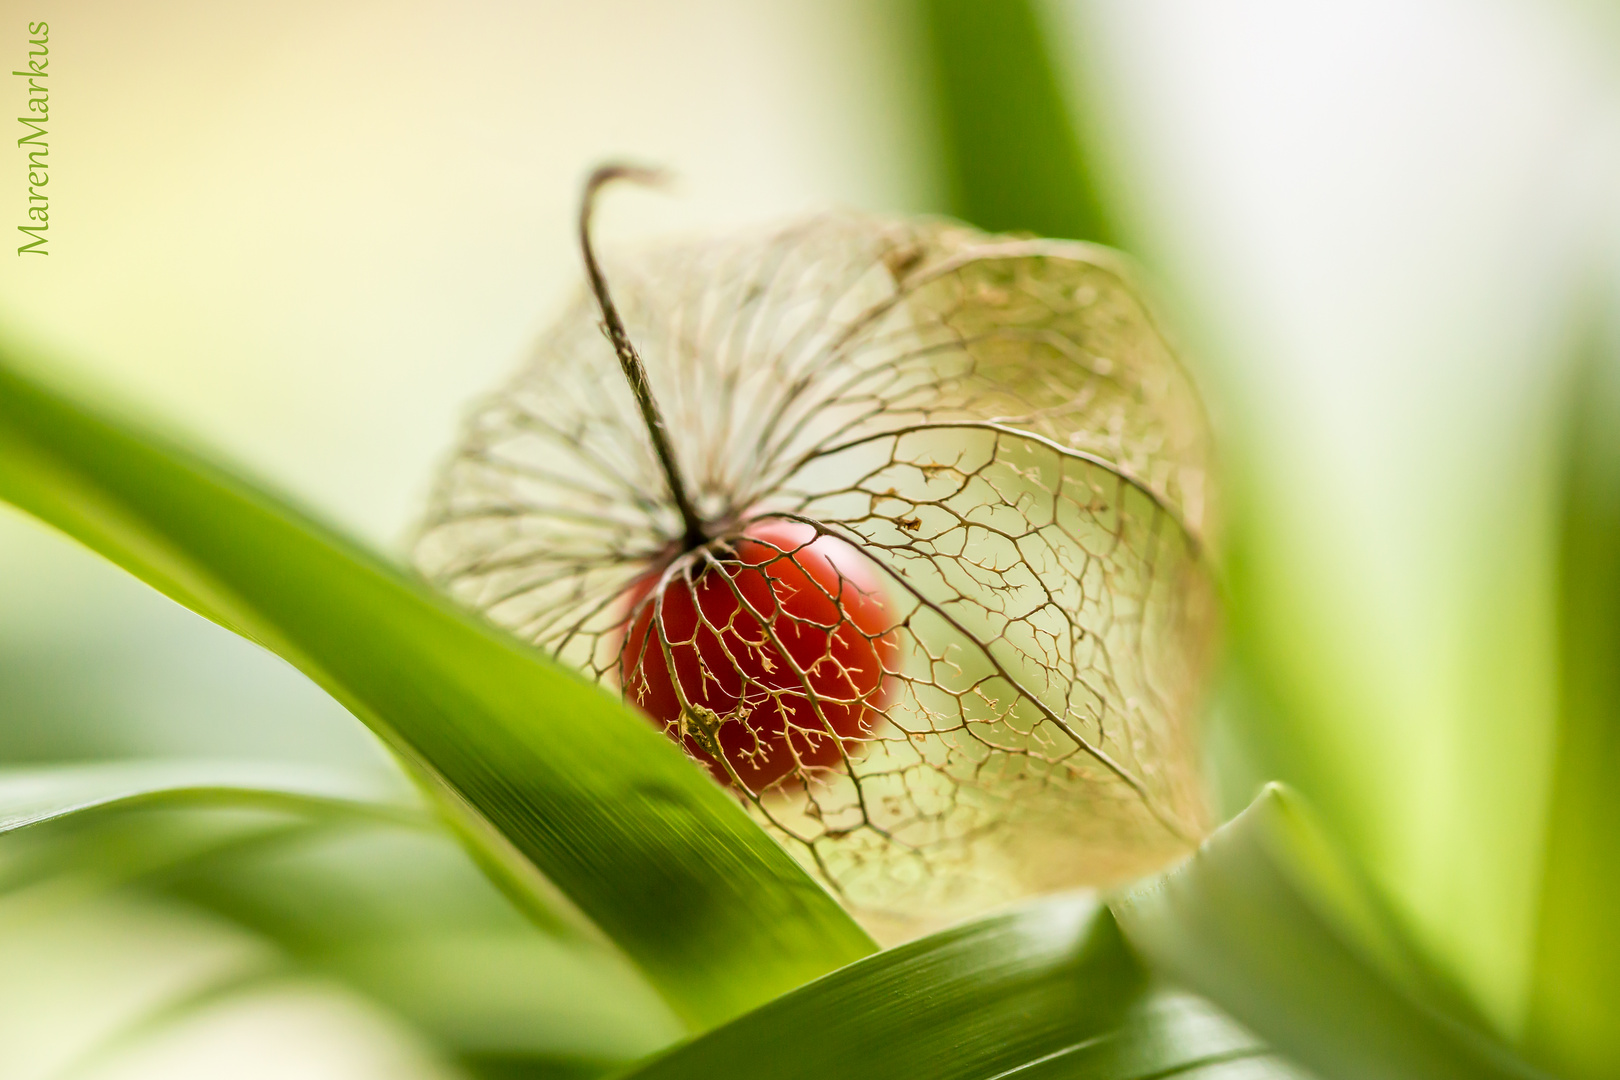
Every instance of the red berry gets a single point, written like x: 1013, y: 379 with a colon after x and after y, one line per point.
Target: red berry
x: 794, y: 646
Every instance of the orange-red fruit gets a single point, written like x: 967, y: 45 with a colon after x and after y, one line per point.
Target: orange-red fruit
x: 795, y: 629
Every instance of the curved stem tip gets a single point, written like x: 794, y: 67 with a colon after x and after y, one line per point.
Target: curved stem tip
x: 635, y: 372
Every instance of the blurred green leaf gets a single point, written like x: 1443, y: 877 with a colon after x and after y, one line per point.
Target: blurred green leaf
x: 1271, y: 924
x: 1013, y: 155
x: 1049, y: 990
x: 39, y: 794
x: 404, y: 917
x: 541, y: 770
x: 1575, y: 994
x: 343, y: 891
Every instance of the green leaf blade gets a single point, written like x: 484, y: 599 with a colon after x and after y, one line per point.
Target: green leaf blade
x: 1046, y: 991
x: 1266, y: 922
x: 38, y: 795
x: 1574, y: 1020
x: 1013, y: 156
x: 545, y: 771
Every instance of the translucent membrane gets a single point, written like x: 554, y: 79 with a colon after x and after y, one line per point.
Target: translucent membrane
x: 952, y: 624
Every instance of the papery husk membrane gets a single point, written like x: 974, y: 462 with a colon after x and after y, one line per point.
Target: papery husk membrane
x: 998, y: 425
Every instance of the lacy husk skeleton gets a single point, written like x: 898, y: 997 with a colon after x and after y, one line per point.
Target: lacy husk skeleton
x: 996, y: 423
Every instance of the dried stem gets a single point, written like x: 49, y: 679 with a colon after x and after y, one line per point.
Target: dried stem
x: 635, y: 372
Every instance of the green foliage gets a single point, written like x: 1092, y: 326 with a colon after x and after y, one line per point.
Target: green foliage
x: 1268, y: 921
x: 1272, y: 923
x: 350, y: 880
x: 1575, y: 1003
x: 1013, y: 160
x: 1050, y: 990
x: 402, y: 916
x: 542, y: 771
x: 37, y: 795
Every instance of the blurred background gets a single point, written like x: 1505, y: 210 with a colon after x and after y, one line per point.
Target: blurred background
x: 1386, y: 233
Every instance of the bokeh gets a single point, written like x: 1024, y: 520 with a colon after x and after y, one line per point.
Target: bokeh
x: 309, y: 236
